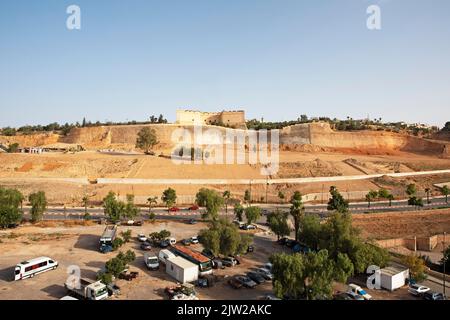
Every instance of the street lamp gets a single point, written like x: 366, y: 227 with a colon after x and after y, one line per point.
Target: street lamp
x: 445, y: 262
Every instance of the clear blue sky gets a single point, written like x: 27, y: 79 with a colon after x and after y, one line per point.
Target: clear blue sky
x: 276, y: 59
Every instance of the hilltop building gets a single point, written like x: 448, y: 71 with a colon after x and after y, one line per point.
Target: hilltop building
x: 232, y: 119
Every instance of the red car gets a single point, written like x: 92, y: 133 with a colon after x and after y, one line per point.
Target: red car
x: 194, y: 207
x: 174, y: 209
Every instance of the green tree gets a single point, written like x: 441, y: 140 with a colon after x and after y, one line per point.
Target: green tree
x: 371, y: 196
x: 126, y: 235
x: 146, y: 139
x: 310, y: 231
x: 411, y: 190
x: 415, y: 201
x: 247, y: 196
x: 13, y: 148
x: 10, y: 206
x: 444, y: 191
x: 169, y: 197
x: 115, y: 266
x: 252, y: 214
x: 85, y: 202
x: 278, y: 223
x: 300, y: 276
x: 297, y: 211
x: 239, y: 211
x: 427, y: 191
x: 211, y: 200
x: 416, y: 266
x: 281, y: 196
x: 38, y: 203
x: 223, y: 237
x: 113, y: 208
x: 117, y: 243
x: 383, y: 194
x: 131, y: 211
x: 105, y: 277
x: 337, y: 201
x: 151, y: 201
x: 390, y: 197
x: 210, y: 239
x: 226, y: 196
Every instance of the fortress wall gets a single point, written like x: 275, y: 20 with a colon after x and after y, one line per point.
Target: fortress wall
x: 32, y: 140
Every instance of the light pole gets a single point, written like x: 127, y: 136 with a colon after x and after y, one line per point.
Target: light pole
x: 445, y: 262
x: 267, y: 188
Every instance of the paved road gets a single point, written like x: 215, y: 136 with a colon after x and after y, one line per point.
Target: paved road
x: 59, y: 213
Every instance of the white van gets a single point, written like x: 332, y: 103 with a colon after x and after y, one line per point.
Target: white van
x: 27, y: 269
x: 164, y: 255
x: 151, y: 261
x: 172, y: 241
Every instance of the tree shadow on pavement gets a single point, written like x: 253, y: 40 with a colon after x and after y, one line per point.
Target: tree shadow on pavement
x: 55, y: 291
x: 7, y: 274
x: 88, y: 242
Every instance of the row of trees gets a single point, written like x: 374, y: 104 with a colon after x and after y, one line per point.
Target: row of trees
x: 65, y: 128
x: 11, y: 201
x: 116, y: 209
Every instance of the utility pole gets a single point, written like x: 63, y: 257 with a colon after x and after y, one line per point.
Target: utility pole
x: 250, y: 191
x: 445, y: 262
x: 267, y: 188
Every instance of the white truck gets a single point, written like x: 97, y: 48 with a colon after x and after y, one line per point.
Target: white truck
x: 88, y: 290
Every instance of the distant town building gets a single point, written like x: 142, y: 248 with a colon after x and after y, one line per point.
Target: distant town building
x: 232, y: 119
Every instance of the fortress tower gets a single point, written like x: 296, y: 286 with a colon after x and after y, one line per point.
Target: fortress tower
x: 232, y: 119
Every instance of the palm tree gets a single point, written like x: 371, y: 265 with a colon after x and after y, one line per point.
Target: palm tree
x: 85, y: 204
x: 151, y: 201
x: 427, y: 191
x: 444, y: 192
x: 226, y: 195
x: 390, y: 198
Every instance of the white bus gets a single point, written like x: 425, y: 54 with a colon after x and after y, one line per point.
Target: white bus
x: 27, y: 269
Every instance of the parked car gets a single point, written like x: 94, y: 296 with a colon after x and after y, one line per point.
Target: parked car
x: 256, y: 277
x: 270, y: 297
x: 186, y: 242
x: 358, y: 290
x: 229, y: 261
x: 174, y: 209
x: 266, y: 274
x: 164, y: 243
x: 235, y: 283
x: 341, y: 296
x: 128, y: 276
x: 146, y: 246
x: 250, y: 249
x: 217, y: 264
x: 248, y: 227
x: 193, y: 207
x: 354, y: 296
x: 290, y: 243
x: 246, y: 281
x: 172, y: 241
x: 138, y: 223
x: 268, y: 266
x: 194, y: 240
x: 192, y: 221
x: 113, y: 289
x: 417, y: 289
x: 433, y: 296
x: 208, y: 253
x: 282, y: 241
x: 141, y: 237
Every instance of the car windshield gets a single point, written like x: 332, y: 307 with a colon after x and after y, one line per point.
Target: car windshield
x: 101, y: 292
x: 152, y: 260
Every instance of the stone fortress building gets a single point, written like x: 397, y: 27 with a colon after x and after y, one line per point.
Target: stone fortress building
x: 232, y: 119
